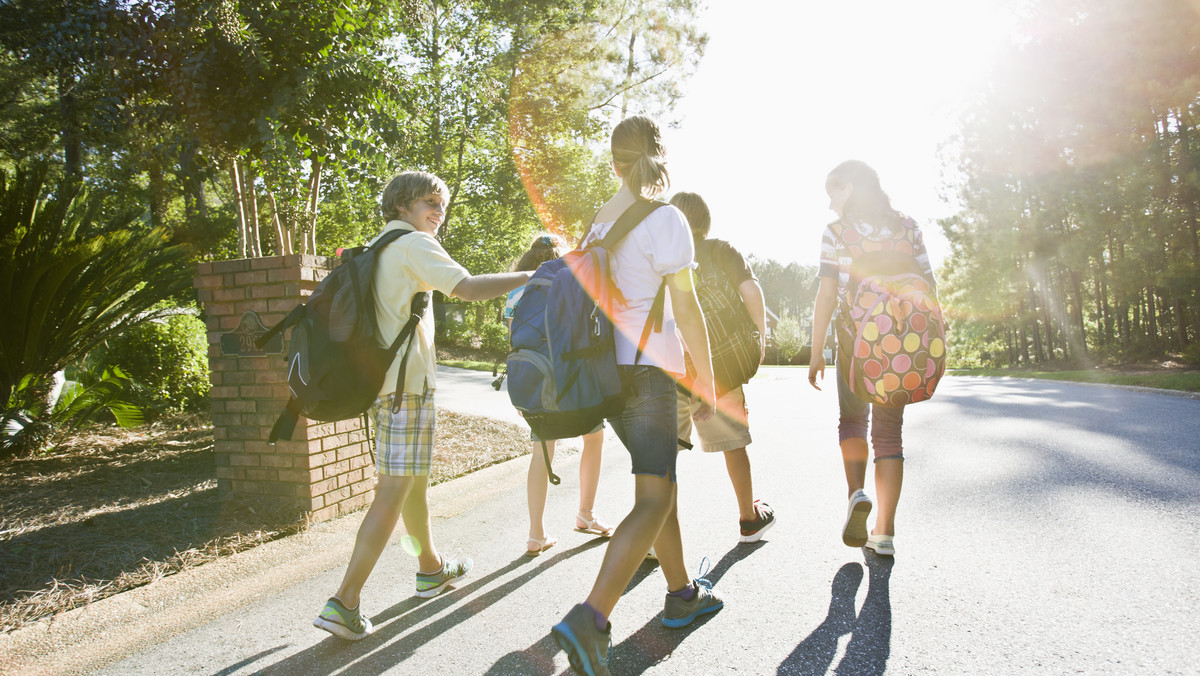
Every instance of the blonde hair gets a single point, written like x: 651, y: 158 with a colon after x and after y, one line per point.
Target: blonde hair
x: 639, y: 156
x: 544, y: 247
x: 406, y: 187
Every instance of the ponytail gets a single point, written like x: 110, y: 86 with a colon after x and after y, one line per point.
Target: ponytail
x: 638, y: 155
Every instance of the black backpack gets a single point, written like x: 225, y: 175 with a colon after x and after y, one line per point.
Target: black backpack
x: 335, y: 365
x: 733, y: 338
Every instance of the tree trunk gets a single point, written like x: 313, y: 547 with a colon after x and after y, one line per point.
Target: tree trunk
x: 314, y: 189
x: 239, y: 200
x: 72, y: 139
x: 629, y: 64
x: 250, y: 197
x: 281, y: 233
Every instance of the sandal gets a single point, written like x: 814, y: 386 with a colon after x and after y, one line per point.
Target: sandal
x: 592, y: 526
x: 541, y: 545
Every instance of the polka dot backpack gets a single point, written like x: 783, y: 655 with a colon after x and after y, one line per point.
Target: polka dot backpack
x: 891, y: 330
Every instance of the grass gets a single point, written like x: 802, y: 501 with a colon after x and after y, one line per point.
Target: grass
x: 1187, y: 381
x: 471, y: 364
x: 113, y: 509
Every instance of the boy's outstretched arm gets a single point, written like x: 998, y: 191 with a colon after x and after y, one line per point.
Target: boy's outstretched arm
x: 483, y: 287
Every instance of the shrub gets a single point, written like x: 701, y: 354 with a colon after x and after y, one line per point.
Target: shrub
x: 495, y: 338
x: 788, y: 339
x: 167, y: 360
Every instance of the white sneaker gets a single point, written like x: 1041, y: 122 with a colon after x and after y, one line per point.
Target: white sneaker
x: 881, y: 545
x: 854, y: 532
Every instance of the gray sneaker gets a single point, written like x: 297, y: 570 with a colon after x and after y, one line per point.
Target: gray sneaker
x: 854, y: 532
x: 679, y: 613
x: 453, y: 570
x: 588, y: 648
x: 341, y: 621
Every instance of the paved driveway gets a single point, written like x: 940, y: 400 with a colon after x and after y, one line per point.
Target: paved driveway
x: 1044, y: 528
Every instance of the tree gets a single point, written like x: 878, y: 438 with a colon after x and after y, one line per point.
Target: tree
x: 69, y: 280
x: 1079, y: 232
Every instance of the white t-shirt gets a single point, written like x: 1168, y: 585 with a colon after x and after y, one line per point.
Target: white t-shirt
x: 659, y: 246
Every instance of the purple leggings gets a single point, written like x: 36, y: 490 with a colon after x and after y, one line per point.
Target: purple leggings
x: 854, y: 412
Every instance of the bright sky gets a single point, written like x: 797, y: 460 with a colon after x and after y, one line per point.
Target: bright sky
x: 787, y: 89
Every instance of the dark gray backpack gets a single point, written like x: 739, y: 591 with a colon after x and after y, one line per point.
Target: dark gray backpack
x: 335, y: 365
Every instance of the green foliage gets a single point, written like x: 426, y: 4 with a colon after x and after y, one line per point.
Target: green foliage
x: 1078, y: 238
x: 69, y: 281
x: 167, y: 360
x: 789, y: 339
x: 26, y: 428
x: 789, y: 289
x: 495, y: 338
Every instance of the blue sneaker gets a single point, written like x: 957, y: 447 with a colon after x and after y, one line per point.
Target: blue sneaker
x: 679, y: 613
x: 341, y: 621
x: 453, y: 570
x: 588, y: 648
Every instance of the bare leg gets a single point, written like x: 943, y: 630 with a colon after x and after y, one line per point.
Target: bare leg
x: 416, y: 522
x: 373, y: 535
x: 536, y: 487
x: 889, y: 475
x: 737, y: 463
x: 854, y: 457
x: 589, y: 470
x: 654, y: 502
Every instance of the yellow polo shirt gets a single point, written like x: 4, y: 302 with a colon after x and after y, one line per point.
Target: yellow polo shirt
x: 412, y: 264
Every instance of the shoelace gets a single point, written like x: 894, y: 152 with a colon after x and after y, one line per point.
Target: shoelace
x: 705, y: 565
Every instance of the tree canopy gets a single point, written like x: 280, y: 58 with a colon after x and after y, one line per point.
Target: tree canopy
x: 1078, y: 175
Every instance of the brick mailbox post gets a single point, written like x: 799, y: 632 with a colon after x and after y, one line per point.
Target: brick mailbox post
x: 326, y: 469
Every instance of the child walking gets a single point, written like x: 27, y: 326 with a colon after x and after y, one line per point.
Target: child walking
x: 728, y: 430
x: 546, y: 247
x: 866, y: 221
x: 658, y: 252
x: 404, y: 420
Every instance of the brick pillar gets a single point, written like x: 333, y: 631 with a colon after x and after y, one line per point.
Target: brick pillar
x: 326, y: 469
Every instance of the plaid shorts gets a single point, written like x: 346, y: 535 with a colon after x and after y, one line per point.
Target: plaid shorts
x: 404, y: 440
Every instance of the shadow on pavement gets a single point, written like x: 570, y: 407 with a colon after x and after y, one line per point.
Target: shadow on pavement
x: 654, y: 642
x: 870, y: 630
x: 539, y: 657
x: 378, y: 652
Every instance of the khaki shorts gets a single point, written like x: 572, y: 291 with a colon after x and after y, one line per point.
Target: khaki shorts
x: 726, y: 430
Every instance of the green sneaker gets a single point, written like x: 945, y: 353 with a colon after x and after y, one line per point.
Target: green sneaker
x: 342, y: 621
x: 432, y: 584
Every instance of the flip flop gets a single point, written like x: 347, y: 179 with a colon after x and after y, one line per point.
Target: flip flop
x: 592, y: 526
x: 542, y: 545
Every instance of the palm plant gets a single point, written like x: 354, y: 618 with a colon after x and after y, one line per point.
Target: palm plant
x: 70, y: 276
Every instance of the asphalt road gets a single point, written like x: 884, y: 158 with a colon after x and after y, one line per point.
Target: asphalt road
x: 1045, y: 528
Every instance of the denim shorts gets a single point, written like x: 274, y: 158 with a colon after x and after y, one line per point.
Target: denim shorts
x: 886, y: 421
x: 647, y: 426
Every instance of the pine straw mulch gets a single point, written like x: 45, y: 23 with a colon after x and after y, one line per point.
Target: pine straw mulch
x: 113, y: 509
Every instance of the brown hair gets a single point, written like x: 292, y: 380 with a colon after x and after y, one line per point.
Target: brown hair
x: 696, y: 211
x: 406, y: 187
x: 638, y: 156
x: 868, y: 203
x: 544, y: 247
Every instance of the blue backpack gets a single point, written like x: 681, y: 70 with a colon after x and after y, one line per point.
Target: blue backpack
x: 562, y: 369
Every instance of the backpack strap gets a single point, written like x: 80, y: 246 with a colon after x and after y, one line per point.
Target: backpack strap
x: 654, y: 321
x: 629, y: 219
x: 420, y: 302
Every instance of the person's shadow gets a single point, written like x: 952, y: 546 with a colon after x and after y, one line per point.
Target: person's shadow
x: 649, y: 645
x: 870, y: 630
